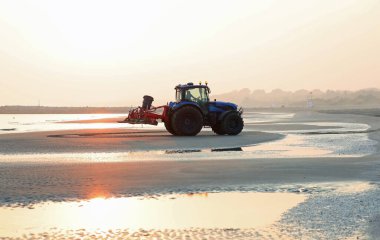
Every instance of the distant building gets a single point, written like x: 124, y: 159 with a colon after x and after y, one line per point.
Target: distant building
x: 309, y: 101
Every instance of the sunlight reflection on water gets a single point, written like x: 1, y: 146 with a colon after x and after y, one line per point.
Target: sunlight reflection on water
x: 13, y: 123
x: 49, y: 122
x: 214, y: 210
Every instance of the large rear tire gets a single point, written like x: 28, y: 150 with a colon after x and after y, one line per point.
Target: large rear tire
x: 232, y: 124
x: 169, y: 127
x: 187, y: 121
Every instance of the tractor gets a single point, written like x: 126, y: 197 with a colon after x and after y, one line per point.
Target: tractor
x: 190, y: 112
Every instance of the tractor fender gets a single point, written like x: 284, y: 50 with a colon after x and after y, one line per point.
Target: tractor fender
x: 225, y: 105
x: 182, y: 104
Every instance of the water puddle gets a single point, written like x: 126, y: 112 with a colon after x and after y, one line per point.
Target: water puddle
x: 266, y: 117
x: 184, y: 211
x: 290, y: 146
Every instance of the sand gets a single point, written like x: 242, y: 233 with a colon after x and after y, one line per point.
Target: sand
x: 23, y: 184
x: 111, y: 140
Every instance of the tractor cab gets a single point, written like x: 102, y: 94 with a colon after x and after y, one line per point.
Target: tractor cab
x: 192, y: 93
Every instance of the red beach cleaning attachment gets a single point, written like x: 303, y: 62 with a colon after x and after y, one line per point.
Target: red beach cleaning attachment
x: 147, y: 114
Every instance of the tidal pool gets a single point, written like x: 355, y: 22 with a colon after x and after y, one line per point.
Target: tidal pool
x: 235, y: 210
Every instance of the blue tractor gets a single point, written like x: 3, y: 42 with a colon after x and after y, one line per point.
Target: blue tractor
x: 190, y: 112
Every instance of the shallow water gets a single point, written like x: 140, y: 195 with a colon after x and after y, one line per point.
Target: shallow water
x: 177, y: 211
x: 266, y: 117
x: 224, y: 215
x: 50, y: 122
x: 13, y: 123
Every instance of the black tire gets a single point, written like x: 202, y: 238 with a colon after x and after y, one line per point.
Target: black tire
x: 187, y: 121
x: 169, y: 128
x: 232, y: 124
x: 216, y: 129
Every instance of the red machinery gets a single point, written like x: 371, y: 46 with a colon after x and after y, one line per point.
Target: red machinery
x: 147, y: 114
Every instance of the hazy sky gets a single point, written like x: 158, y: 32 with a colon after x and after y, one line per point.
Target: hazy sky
x: 103, y: 53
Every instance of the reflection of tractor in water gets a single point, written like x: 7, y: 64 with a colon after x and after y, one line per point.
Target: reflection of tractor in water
x: 190, y: 112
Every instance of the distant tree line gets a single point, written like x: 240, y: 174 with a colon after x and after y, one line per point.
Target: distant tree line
x: 369, y: 98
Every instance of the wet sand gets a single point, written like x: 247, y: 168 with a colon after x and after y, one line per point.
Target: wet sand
x: 28, y: 183
x: 61, y: 182
x: 116, y: 140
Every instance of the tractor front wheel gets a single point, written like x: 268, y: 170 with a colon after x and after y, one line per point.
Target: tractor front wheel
x: 187, y: 121
x: 216, y: 129
x: 232, y: 124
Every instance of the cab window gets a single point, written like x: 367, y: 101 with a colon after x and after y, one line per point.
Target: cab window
x: 198, y: 95
x: 178, y: 96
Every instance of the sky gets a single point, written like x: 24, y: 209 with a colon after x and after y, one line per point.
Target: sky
x: 111, y: 53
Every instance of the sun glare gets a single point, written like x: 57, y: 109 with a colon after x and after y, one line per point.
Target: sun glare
x: 102, y: 29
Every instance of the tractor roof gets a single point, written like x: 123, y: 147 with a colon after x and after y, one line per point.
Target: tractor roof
x: 191, y: 85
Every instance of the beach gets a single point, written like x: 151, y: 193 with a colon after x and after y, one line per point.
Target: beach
x: 325, y: 166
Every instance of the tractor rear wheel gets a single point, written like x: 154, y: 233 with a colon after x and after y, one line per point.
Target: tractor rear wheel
x: 232, y: 124
x: 169, y: 127
x: 187, y: 121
